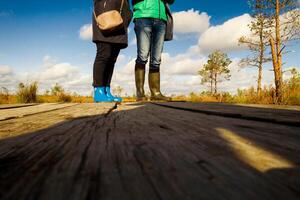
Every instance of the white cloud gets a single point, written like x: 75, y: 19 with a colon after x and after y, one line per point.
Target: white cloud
x: 121, y: 59
x: 225, y: 37
x: 133, y: 42
x: 240, y: 78
x: 86, y: 32
x: 48, y: 61
x: 182, y: 64
x: 5, y: 70
x: 191, y: 21
x: 7, y: 79
x: 67, y: 75
x: 58, y: 71
x: 49, y: 73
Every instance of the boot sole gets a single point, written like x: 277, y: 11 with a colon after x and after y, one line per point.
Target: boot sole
x: 139, y: 99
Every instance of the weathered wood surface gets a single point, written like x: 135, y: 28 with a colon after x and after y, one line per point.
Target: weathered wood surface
x: 289, y: 115
x: 145, y: 151
x: 22, y: 111
x: 51, y: 115
x: 10, y: 106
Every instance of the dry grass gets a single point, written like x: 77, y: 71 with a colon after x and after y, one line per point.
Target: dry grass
x: 248, y: 96
x: 4, y: 95
x: 63, y: 98
x: 27, y: 93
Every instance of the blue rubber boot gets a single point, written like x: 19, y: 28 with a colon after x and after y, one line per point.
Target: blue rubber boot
x: 109, y: 95
x: 100, y: 95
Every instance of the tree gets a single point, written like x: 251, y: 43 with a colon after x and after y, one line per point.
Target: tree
x: 294, y: 81
x: 57, y: 89
x: 216, y: 70
x: 286, y: 27
x: 207, y: 75
x: 47, y: 92
x: 258, y: 41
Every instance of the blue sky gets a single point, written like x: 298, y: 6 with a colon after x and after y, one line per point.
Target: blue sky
x: 42, y: 37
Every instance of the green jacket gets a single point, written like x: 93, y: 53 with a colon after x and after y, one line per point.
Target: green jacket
x: 150, y: 9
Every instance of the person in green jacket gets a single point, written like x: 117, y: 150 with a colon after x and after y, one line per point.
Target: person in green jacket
x: 150, y: 19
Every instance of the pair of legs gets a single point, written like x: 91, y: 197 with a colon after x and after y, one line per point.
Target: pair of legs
x: 150, y: 34
x: 106, y: 57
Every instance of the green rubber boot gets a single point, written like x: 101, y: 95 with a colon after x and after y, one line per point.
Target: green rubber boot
x: 140, y: 81
x: 154, y: 84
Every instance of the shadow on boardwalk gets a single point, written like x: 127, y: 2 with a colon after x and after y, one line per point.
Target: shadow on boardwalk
x: 148, y: 152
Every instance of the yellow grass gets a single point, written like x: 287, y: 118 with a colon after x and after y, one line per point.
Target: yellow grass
x: 248, y: 96
x: 291, y: 88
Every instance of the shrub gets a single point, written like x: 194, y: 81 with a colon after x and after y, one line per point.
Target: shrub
x: 59, y: 92
x: 57, y: 89
x: 27, y: 93
x: 4, y: 95
x: 64, y: 97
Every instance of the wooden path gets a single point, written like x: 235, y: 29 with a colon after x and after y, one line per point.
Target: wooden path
x: 152, y: 151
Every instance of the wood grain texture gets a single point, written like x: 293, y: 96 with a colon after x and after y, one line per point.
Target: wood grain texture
x: 47, y: 116
x: 145, y: 151
x: 22, y: 111
x: 286, y: 115
x: 11, y: 106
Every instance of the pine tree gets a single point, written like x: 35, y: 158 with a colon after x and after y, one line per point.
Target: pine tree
x: 257, y: 41
x: 286, y: 27
x: 216, y: 70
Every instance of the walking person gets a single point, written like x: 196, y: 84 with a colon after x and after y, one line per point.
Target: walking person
x: 153, y: 26
x: 109, y: 42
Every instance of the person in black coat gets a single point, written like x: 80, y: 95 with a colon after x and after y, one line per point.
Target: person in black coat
x: 108, y: 45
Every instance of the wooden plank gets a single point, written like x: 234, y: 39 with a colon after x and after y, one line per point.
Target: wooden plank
x: 11, y: 106
x: 259, y: 113
x: 20, y: 126
x: 6, y: 114
x: 144, y: 151
x: 271, y: 106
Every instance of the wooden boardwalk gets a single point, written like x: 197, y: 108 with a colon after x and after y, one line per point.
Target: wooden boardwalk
x: 152, y: 151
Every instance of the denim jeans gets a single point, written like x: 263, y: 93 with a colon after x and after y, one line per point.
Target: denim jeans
x: 150, y: 34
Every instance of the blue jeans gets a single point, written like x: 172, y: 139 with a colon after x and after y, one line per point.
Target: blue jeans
x: 150, y: 34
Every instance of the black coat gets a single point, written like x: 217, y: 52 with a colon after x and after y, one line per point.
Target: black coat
x: 119, y: 36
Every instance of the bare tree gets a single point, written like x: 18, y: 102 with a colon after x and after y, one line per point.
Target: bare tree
x: 286, y: 27
x: 258, y: 40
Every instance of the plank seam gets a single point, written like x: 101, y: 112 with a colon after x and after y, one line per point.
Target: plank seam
x: 234, y: 116
x: 20, y: 106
